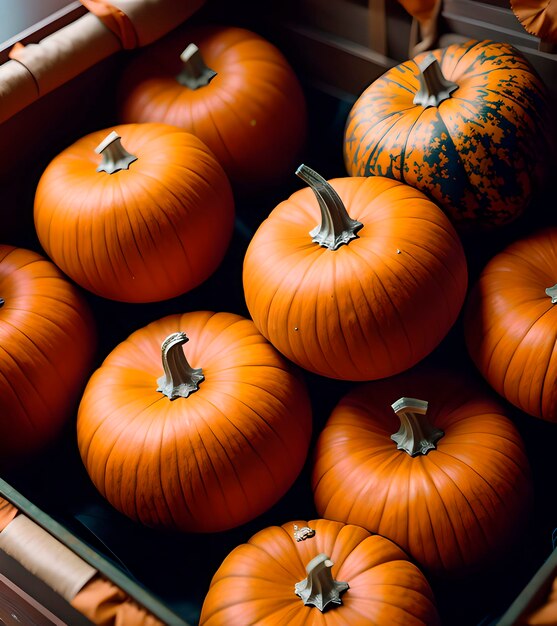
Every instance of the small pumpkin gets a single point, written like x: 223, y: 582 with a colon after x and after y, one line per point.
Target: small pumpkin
x: 365, y: 294
x: 150, y: 221
x: 429, y: 460
x: 198, y: 437
x: 464, y: 124
x: 231, y: 88
x: 510, y: 321
x: 340, y: 574
x: 48, y: 344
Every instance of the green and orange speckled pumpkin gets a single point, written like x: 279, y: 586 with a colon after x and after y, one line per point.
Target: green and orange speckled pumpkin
x: 464, y: 124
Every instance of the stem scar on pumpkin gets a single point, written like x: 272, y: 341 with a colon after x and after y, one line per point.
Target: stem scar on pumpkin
x: 114, y: 156
x: 337, y: 227
x: 303, y: 533
x: 416, y: 435
x: 320, y: 589
x: 179, y: 379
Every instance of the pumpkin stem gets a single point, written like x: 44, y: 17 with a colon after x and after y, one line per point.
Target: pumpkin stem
x: 194, y: 72
x: 552, y: 293
x: 416, y: 435
x: 114, y: 156
x: 179, y: 379
x: 434, y: 87
x: 337, y: 227
x: 320, y: 588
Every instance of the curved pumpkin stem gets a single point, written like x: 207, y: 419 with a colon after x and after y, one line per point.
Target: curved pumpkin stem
x: 434, y: 87
x: 194, y: 73
x: 179, y: 379
x: 114, y: 156
x: 552, y: 293
x: 337, y: 227
x: 320, y: 589
x: 416, y: 435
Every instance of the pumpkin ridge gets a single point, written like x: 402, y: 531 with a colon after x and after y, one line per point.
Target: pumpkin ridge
x: 223, y: 143
x: 253, y: 412
x: 442, y: 558
x: 473, y: 471
x: 450, y: 315
x: 32, y: 342
x: 395, y: 312
x: 161, y: 504
x: 472, y: 509
x: 216, y: 473
x: 184, y: 491
x: 171, y: 222
x: 378, y: 336
x: 243, y: 436
x: 348, y: 294
x: 463, y: 183
x: 379, y: 147
x: 353, y: 126
x: 101, y: 423
x: 375, y: 470
x: 17, y: 396
x: 480, y: 445
x: 37, y: 350
x: 232, y: 467
x: 403, y: 149
x: 326, y: 352
x: 309, y: 261
x: 516, y: 347
x: 176, y: 454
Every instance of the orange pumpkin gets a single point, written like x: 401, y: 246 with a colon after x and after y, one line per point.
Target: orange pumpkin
x: 48, y: 343
x: 366, y: 294
x: 448, y: 480
x: 510, y: 323
x: 232, y: 89
x: 290, y: 574
x: 466, y: 125
x: 201, y: 447
x: 140, y: 226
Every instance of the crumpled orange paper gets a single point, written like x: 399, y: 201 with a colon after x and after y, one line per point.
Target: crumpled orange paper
x: 539, y: 17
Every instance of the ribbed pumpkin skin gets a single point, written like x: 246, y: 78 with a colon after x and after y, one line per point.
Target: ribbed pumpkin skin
x: 48, y: 343
x: 363, y: 311
x: 204, y: 463
x: 510, y: 324
x: 453, y: 509
x: 252, y: 114
x: 145, y: 234
x: 255, y: 583
x: 477, y: 154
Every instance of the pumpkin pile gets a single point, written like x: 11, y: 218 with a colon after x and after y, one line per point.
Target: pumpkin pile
x: 201, y: 421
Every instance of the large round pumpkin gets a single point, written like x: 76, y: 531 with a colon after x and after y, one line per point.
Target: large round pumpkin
x: 511, y: 323
x: 447, y: 480
x: 314, y: 573
x: 370, y: 291
x: 196, y: 437
x: 466, y: 124
x: 232, y: 89
x: 48, y: 344
x: 148, y: 220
